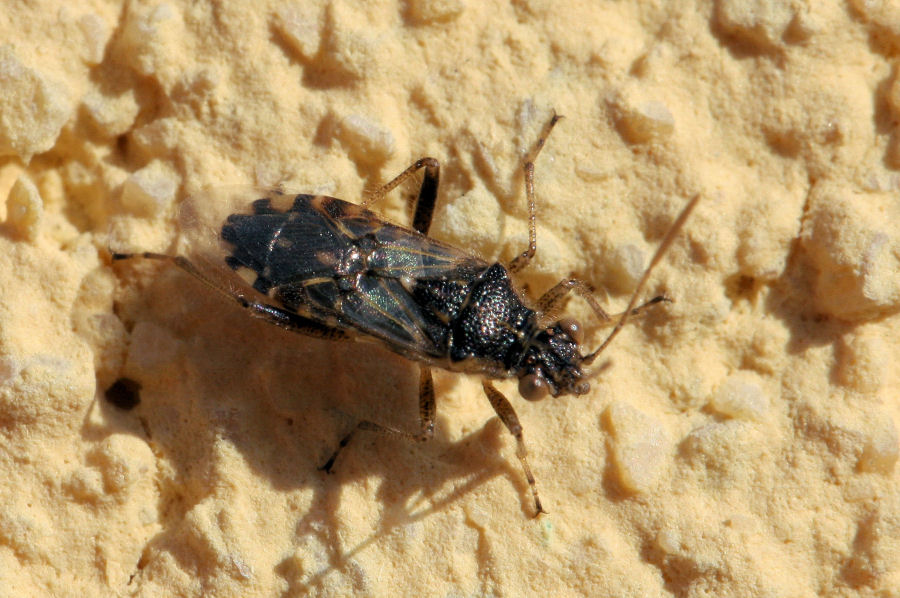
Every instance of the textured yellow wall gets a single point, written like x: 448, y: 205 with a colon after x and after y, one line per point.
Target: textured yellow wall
x: 741, y: 441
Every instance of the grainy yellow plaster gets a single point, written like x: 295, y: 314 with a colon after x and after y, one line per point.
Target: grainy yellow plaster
x: 741, y: 441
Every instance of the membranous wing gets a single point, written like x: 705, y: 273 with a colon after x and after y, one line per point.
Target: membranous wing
x: 341, y: 265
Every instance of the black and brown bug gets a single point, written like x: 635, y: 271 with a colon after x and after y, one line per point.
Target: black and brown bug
x: 331, y: 269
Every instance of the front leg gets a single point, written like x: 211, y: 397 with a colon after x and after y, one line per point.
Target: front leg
x: 548, y: 304
x: 508, y: 416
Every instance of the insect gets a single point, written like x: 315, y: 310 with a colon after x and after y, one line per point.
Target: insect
x: 327, y: 268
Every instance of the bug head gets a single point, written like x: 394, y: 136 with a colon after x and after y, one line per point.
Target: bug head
x: 552, y: 363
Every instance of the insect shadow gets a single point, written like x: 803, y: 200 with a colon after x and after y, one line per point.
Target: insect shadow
x: 209, y: 374
x: 327, y: 268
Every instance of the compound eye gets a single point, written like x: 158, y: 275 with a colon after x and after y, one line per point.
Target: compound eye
x: 533, y: 387
x: 571, y: 327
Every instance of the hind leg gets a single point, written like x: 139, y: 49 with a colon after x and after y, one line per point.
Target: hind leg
x: 264, y: 311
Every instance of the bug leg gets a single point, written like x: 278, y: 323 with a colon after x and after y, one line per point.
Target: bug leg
x: 548, y: 304
x: 426, y: 421
x: 660, y: 252
x: 640, y: 309
x: 508, y: 416
x: 522, y: 260
x: 427, y: 192
x: 264, y: 311
x: 291, y: 321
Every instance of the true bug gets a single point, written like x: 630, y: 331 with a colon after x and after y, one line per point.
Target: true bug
x: 327, y: 268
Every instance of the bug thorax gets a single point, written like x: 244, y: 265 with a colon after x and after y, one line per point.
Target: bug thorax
x: 552, y: 363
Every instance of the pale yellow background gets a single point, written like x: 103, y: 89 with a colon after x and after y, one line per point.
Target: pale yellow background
x: 741, y: 441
